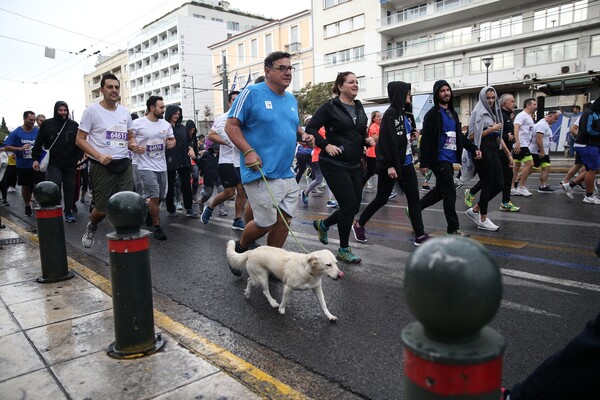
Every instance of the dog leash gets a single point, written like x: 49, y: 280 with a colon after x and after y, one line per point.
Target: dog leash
x: 257, y: 164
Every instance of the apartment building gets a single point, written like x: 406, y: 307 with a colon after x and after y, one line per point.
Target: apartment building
x: 245, y: 52
x: 115, y: 64
x: 170, y: 56
x: 548, y: 49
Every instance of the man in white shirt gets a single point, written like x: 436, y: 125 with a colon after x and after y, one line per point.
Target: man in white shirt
x: 540, y: 149
x: 523, y: 136
x: 229, y: 170
x: 151, y: 136
x: 103, y: 134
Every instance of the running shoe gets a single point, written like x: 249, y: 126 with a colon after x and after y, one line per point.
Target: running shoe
x: 458, y: 183
x: 591, y: 200
x: 458, y: 232
x: 359, y: 233
x: 28, y: 211
x: 178, y: 206
x: 345, y: 254
x: 392, y: 195
x: 321, y: 231
x: 172, y: 214
x: 304, y: 198
x: 5, y: 203
x: 332, y: 204
x: 524, y: 191
x: 568, y: 189
x: 469, y: 198
x: 191, y: 213
x: 206, y: 214
x: 545, y: 189
x: 509, y: 207
x: 238, y: 224
x: 87, y: 240
x: 487, y: 225
x: 425, y: 188
x: 420, y: 240
x: 158, y: 233
x: 515, y: 192
x: 70, y: 218
x: 222, y: 212
x: 597, y: 186
x: 473, y: 215
x: 579, y: 186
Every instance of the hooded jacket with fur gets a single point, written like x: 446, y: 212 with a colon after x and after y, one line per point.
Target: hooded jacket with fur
x: 64, y: 153
x: 432, y: 131
x: 392, y: 143
x: 177, y: 157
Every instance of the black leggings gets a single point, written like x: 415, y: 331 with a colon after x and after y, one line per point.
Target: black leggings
x: 444, y: 190
x: 371, y: 167
x: 407, y: 179
x: 346, y: 185
x: 507, y: 174
x: 489, y: 170
x: 303, y: 161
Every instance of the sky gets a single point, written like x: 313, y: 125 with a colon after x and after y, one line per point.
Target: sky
x: 77, y: 29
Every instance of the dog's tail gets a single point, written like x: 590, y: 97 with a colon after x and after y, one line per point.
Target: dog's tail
x: 237, y: 261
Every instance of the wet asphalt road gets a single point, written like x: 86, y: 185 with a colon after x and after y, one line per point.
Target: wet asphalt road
x: 551, y: 287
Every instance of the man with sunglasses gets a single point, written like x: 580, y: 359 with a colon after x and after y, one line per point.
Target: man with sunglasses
x: 263, y: 124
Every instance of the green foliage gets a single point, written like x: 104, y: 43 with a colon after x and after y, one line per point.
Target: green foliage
x: 310, y: 97
x: 3, y: 130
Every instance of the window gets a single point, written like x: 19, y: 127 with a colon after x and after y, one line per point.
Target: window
x: 234, y: 26
x: 331, y: 3
x: 553, y: 52
x: 560, y: 15
x: 294, y: 34
x: 505, y: 27
x: 331, y: 59
x: 199, y: 16
x: 504, y: 60
x: 344, y: 26
x: 254, y: 48
x: 296, y: 78
x: 595, y: 45
x: 362, y: 82
x: 445, y: 5
x: 346, y: 55
x: 240, y: 54
x: 442, y: 70
x: 404, y: 75
x: 455, y: 38
x: 268, y: 43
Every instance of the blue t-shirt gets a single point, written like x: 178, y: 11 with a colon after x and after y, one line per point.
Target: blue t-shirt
x: 448, y: 138
x: 269, y: 123
x: 18, y: 138
x: 408, y: 126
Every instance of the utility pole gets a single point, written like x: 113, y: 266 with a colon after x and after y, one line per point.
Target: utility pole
x: 225, y: 85
x: 194, y: 100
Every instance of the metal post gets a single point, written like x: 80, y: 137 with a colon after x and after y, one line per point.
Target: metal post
x: 225, y: 85
x: 194, y: 99
x: 453, y: 288
x: 131, y: 280
x: 487, y: 61
x: 51, y: 234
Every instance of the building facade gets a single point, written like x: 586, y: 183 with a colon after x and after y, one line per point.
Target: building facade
x: 170, y: 56
x: 244, y: 54
x: 548, y: 49
x: 115, y: 64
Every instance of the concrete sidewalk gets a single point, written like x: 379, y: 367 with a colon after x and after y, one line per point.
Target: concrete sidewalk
x: 54, y: 336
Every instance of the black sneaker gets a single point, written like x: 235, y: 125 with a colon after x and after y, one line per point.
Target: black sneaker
x: 74, y: 208
x: 5, y: 203
x: 545, y: 189
x: 28, y: 211
x: 158, y: 233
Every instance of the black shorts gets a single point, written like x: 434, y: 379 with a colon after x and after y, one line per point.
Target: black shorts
x: 228, y: 176
x: 524, y: 155
x: 541, y: 162
x: 29, y: 177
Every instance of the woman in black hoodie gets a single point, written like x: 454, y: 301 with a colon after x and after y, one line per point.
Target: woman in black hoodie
x: 395, y: 163
x: 345, y: 124
x: 60, y: 133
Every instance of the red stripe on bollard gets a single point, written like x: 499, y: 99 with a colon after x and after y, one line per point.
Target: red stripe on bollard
x: 57, y: 212
x: 129, y: 246
x: 450, y: 380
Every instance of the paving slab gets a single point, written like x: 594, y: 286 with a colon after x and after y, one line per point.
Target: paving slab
x: 8, y: 325
x: 31, y: 290
x: 21, y: 273
x: 17, y: 357
x: 217, y: 386
x: 33, y: 386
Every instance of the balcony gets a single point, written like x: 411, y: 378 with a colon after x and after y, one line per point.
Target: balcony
x: 293, y: 47
x: 444, y: 13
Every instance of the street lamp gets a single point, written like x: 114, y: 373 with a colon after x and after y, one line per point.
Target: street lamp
x: 487, y: 61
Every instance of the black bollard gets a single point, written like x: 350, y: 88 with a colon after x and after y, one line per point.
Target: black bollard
x: 51, y: 234
x: 131, y: 280
x: 453, y: 288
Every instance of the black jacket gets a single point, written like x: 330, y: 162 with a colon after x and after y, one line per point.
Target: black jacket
x: 340, y: 131
x: 64, y: 153
x: 177, y: 157
x: 193, y: 137
x: 508, y: 127
x: 208, y: 165
x: 392, y: 143
x: 586, y: 134
x: 432, y: 132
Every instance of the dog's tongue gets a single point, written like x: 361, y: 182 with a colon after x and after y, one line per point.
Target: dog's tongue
x: 341, y: 275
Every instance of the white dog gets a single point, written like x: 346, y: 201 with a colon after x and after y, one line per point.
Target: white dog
x: 296, y: 271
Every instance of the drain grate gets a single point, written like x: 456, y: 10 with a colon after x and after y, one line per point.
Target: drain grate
x: 6, y: 242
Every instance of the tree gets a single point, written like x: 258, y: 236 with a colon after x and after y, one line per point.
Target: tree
x: 3, y: 130
x: 310, y: 97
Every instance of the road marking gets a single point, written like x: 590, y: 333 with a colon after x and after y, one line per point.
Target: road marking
x: 520, y: 307
x: 548, y: 279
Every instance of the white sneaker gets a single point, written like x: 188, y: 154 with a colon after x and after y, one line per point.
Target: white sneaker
x: 591, y: 200
x: 487, y: 225
x: 515, y: 192
x: 524, y: 192
x: 87, y: 239
x: 568, y: 189
x: 473, y: 215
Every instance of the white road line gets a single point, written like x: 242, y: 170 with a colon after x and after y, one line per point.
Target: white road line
x: 548, y: 279
x: 520, y: 307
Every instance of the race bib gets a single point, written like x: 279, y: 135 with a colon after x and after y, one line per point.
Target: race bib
x: 408, y: 145
x: 450, y: 141
x: 155, y: 148
x: 27, y: 153
x: 116, y: 136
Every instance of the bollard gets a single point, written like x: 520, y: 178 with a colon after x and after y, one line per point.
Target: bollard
x: 453, y: 288
x: 51, y: 234
x: 131, y: 280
